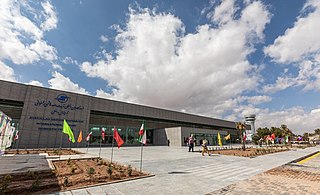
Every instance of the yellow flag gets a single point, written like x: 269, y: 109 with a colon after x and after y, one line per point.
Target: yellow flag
x: 227, y: 137
x: 80, y: 137
x: 219, y: 139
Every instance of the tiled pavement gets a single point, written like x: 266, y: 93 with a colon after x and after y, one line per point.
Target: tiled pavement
x: 180, y: 172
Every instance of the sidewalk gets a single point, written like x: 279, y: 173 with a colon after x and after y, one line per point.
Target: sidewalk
x: 180, y: 172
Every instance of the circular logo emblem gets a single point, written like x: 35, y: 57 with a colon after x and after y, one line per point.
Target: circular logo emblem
x: 62, y: 98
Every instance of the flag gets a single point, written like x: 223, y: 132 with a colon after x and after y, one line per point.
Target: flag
x: 103, y: 133
x: 143, y: 135
x: 67, y: 130
x: 88, y: 136
x: 227, y: 137
x: 117, y: 137
x: 16, y: 137
x: 80, y: 137
x: 287, y: 139
x: 244, y: 136
x: 219, y: 139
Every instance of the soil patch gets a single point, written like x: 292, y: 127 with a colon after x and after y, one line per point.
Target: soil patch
x: 50, y: 152
x: 249, y: 152
x: 68, y: 174
x: 296, y: 172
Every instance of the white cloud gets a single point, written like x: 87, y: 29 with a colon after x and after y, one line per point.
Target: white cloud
x: 69, y: 60
x: 6, y: 73
x: 50, y: 15
x: 57, y: 67
x: 104, y: 38
x: 21, y: 40
x: 35, y: 83
x: 299, y: 46
x: 64, y: 83
x: 157, y: 64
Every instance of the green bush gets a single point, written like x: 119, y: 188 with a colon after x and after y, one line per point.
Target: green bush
x: 91, y: 171
x: 5, y: 183
x: 129, y: 170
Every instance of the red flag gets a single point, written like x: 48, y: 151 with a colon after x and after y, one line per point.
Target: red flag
x: 88, y: 136
x: 273, y: 136
x: 117, y: 137
x: 103, y: 133
x: 16, y: 137
x: 244, y: 136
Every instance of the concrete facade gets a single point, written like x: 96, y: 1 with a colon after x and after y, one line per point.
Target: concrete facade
x: 43, y: 110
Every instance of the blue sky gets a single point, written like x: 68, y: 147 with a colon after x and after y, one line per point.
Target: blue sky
x: 221, y: 59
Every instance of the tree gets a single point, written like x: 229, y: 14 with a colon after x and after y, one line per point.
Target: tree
x: 305, y: 137
x: 241, y: 127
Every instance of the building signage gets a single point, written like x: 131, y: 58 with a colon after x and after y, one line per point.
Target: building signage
x: 58, y: 107
x: 62, y: 108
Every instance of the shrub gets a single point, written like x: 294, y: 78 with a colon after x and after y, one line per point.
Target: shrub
x: 31, y: 175
x: 5, y: 183
x: 69, y: 161
x: 73, y: 169
x: 35, y: 185
x: 66, y: 182
x: 110, y: 170
x: 91, y: 171
x: 129, y: 170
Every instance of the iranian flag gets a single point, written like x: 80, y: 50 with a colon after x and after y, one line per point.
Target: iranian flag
x: 16, y: 137
x: 103, y: 133
x: 142, y: 135
x: 88, y: 136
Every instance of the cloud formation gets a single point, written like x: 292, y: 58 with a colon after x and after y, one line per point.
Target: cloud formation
x: 61, y: 82
x: 6, y: 72
x: 158, y: 64
x: 21, y: 39
x: 299, y: 46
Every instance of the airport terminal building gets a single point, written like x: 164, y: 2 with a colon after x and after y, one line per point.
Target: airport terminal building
x: 38, y: 114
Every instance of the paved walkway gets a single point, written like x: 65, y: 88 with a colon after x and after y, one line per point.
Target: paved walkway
x: 180, y: 172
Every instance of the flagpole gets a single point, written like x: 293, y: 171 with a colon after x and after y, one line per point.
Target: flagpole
x: 100, y: 147
x: 112, y: 145
x: 88, y: 142
x: 141, y: 157
x: 60, y: 144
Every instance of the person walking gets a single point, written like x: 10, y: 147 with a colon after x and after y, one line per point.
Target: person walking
x: 191, y: 143
x: 205, y: 147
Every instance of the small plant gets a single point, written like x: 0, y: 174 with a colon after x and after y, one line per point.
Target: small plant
x: 91, y: 171
x: 73, y: 169
x: 31, y: 175
x: 129, y: 170
x: 5, y: 183
x: 35, y: 185
x: 110, y: 170
x: 28, y: 152
x: 66, y: 182
x: 17, y: 152
x: 69, y: 161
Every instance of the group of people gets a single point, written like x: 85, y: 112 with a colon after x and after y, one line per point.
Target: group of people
x: 204, y: 145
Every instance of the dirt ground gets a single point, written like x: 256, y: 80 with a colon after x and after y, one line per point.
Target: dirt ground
x: 68, y: 174
x: 249, y: 152
x: 50, y: 152
x: 286, y: 179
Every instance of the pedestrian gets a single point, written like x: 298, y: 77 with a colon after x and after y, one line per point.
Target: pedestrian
x: 205, y: 147
x: 191, y: 143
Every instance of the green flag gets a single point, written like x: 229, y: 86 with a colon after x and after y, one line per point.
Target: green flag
x: 67, y: 130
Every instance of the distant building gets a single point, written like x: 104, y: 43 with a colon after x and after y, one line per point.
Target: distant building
x: 39, y: 112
